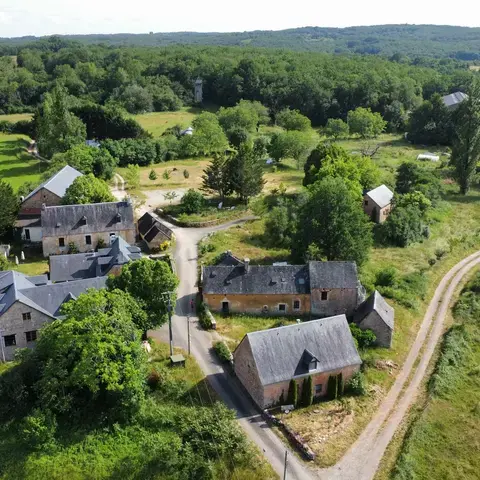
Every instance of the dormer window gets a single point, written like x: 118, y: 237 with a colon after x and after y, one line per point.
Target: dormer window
x: 83, y: 220
x: 312, y: 365
x: 310, y: 361
x: 118, y: 218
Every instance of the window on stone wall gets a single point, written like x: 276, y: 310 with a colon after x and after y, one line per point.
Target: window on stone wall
x: 61, y: 242
x: 27, y: 316
x: 9, y: 340
x: 296, y: 304
x: 31, y: 336
x: 324, y: 296
x: 366, y: 202
x: 88, y: 239
x: 282, y: 307
x: 318, y: 390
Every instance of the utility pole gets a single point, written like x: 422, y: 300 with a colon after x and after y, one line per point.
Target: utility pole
x: 169, y: 308
x: 286, y: 463
x: 188, y: 331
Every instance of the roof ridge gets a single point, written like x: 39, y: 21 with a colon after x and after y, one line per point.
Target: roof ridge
x: 85, y: 204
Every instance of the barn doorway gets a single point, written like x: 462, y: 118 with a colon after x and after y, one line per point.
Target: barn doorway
x: 225, y: 307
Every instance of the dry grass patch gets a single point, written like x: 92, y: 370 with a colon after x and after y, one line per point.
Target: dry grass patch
x: 157, y: 122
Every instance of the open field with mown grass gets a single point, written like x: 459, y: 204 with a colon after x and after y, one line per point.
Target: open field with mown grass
x: 15, y: 117
x: 157, y: 122
x: 16, y: 165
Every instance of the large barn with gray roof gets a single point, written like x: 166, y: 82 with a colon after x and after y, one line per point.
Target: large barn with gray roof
x: 321, y: 289
x: 27, y: 303
x: 266, y: 361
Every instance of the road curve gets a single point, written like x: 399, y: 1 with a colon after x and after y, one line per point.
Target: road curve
x: 227, y: 388
x: 363, y: 458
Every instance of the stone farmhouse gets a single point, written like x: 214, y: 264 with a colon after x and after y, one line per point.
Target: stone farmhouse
x: 377, y: 203
x: 49, y: 193
x: 86, y: 226
x: 27, y: 303
x: 377, y: 315
x: 152, y: 231
x: 266, y: 361
x: 107, y: 261
x: 321, y: 289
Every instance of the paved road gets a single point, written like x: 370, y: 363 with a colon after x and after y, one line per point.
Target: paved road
x: 201, y: 342
x: 362, y: 460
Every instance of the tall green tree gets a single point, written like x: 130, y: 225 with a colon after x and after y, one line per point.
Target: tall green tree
x: 365, y: 123
x: 333, y: 219
x: 151, y: 283
x: 216, y: 177
x: 91, y: 362
x: 9, y: 208
x: 246, y: 173
x: 208, y: 137
x: 307, y: 391
x: 292, y: 144
x: 87, y: 189
x: 336, y: 128
x: 57, y: 129
x: 466, y: 141
x: 293, y: 120
x: 292, y: 397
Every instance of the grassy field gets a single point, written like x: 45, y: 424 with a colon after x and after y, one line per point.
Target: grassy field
x: 234, y: 327
x: 16, y: 166
x: 157, y: 122
x: 443, y: 442
x: 16, y: 117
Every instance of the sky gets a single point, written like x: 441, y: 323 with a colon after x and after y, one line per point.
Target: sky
x: 47, y: 17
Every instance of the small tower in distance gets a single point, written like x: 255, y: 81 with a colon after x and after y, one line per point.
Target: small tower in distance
x: 198, y: 90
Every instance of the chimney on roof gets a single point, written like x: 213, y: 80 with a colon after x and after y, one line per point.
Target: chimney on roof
x: 246, y: 262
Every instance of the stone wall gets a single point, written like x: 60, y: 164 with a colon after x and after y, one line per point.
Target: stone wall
x: 43, y: 196
x: 374, y: 322
x: 12, y: 323
x: 376, y: 214
x: 254, y: 304
x: 51, y: 247
x: 339, y: 300
x: 246, y: 371
x: 272, y: 393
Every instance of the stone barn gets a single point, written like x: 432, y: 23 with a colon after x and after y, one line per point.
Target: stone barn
x: 377, y: 315
x: 377, y: 203
x: 266, y: 361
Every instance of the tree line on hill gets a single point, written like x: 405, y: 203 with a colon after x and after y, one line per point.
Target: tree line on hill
x: 145, y: 79
x: 414, y: 43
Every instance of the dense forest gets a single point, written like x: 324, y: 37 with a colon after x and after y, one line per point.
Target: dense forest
x: 139, y: 79
x: 399, y: 41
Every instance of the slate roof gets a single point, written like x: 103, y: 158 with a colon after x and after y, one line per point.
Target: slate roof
x: 279, y: 352
x: 229, y: 260
x: 48, y: 299
x: 259, y: 279
x: 149, y: 227
x: 454, y: 99
x: 375, y: 303
x: 381, y: 195
x: 99, y: 217
x: 89, y: 265
x: 28, y: 221
x: 330, y: 275
x: 59, y: 183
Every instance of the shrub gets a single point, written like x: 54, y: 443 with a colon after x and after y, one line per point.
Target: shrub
x: 386, y: 277
x: 403, y: 227
x: 39, y: 428
x: 203, y: 317
x: 356, y: 385
x: 307, y: 391
x: 332, y: 390
x: 292, y: 393
x: 100, y: 243
x: 193, y: 201
x: 153, y: 379
x: 186, y: 174
x: 365, y: 338
x: 223, y: 352
x: 72, y: 248
x: 152, y: 175
x: 440, y: 253
x: 432, y: 261
x: 167, y: 174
